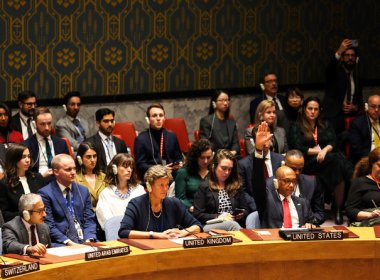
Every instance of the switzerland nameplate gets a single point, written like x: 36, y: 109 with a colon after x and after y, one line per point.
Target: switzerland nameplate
x: 19, y: 269
x: 206, y: 242
x: 107, y: 253
x: 308, y: 236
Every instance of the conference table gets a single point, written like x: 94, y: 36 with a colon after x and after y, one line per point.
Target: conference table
x: 351, y: 258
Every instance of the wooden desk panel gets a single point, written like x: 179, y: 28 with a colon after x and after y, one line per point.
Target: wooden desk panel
x: 345, y: 259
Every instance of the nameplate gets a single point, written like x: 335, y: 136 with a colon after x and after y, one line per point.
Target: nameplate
x: 19, y: 269
x: 307, y: 236
x: 107, y: 253
x: 206, y: 242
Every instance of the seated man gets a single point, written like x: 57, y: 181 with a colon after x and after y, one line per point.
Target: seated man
x: 70, y: 126
x: 27, y: 233
x: 157, y: 145
x: 277, y: 207
x: 68, y: 205
x: 106, y: 145
x: 23, y: 120
x: 364, y: 132
x: 305, y: 187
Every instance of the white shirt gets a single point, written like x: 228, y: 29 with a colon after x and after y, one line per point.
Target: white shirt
x: 293, y: 211
x: 268, y: 164
x: 24, y: 184
x: 27, y: 226
x: 24, y: 126
x: 42, y: 153
x: 111, y: 205
x: 105, y: 143
x: 270, y: 98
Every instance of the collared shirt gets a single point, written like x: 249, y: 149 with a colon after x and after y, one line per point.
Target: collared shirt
x: 43, y: 159
x: 105, y: 143
x: 24, y: 184
x: 293, y: 211
x: 268, y: 164
x: 270, y: 98
x: 27, y: 226
x: 24, y: 126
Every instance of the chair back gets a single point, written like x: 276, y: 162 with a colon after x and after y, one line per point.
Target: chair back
x: 69, y: 147
x: 178, y: 126
x: 127, y: 132
x: 111, y: 228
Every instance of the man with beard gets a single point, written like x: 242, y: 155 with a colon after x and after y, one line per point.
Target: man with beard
x: 106, y: 145
x: 157, y: 145
x: 343, y: 96
x: 71, y: 126
x: 23, y: 120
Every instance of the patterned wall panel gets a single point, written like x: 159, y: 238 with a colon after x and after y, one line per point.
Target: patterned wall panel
x: 119, y: 47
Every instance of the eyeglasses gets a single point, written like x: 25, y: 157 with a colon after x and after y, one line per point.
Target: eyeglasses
x: 39, y: 211
x: 289, y: 181
x: 30, y: 104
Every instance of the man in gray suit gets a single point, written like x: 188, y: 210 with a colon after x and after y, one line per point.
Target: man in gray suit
x: 70, y: 126
x: 27, y: 233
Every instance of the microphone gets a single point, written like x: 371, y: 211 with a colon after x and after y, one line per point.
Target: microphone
x: 182, y: 228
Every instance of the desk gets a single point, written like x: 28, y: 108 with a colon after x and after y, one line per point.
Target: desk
x: 357, y: 258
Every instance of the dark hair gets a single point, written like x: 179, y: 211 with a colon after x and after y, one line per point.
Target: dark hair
x: 8, y: 111
x: 217, y: 93
x: 100, y: 113
x: 23, y: 95
x: 82, y: 149
x: 267, y: 74
x: 303, y: 121
x: 69, y: 95
x: 41, y: 110
x: 121, y: 159
x: 154, y: 105
x: 12, y: 156
x: 232, y: 183
x: 362, y: 167
x: 195, y: 151
x: 294, y: 91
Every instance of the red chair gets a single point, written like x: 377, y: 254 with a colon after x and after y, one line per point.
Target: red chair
x: 243, y: 150
x: 178, y: 126
x: 127, y: 133
x: 69, y: 147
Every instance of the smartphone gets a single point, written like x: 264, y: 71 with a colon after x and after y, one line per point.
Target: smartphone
x: 354, y: 43
x: 237, y: 211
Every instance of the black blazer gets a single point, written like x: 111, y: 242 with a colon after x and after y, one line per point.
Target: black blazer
x: 206, y: 202
x: 359, y: 135
x: 120, y: 146
x: 16, y: 122
x: 60, y: 147
x: 9, y: 197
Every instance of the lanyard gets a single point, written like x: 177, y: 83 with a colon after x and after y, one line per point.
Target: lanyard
x: 162, y: 144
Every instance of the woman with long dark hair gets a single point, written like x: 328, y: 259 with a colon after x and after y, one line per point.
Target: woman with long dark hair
x: 7, y: 134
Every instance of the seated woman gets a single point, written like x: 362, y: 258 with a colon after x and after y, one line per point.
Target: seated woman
x: 218, y: 126
x: 123, y: 185
x: 194, y: 172
x: 88, y: 171
x: 19, y: 180
x: 294, y: 98
x: 266, y: 111
x: 221, y: 195
x: 7, y: 134
x: 153, y: 215
x: 316, y: 140
x: 364, y: 197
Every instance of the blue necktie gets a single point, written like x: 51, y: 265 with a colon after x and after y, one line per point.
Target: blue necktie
x: 72, y: 233
x: 82, y: 134
x: 49, y: 155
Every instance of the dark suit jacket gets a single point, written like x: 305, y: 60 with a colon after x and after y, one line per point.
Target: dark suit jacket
x: 16, y: 122
x: 120, y: 146
x: 60, y: 147
x: 245, y: 170
x: 209, y: 131
x: 58, y: 216
x: 9, y: 197
x: 269, y: 205
x: 15, y: 236
x: 255, y: 102
x: 206, y: 202
x: 359, y: 135
x: 146, y: 158
x: 310, y: 190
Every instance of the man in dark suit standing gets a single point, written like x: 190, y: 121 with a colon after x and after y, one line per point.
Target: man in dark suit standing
x: 364, y: 132
x: 68, y: 205
x: 106, y: 145
x: 156, y: 145
x: 27, y: 233
x: 23, y: 120
x: 269, y: 86
x: 306, y: 186
x: 43, y: 146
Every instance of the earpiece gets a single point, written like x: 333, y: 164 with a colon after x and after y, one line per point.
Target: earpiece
x: 275, y: 183
x: 213, y: 104
x: 357, y: 60
x: 262, y: 86
x: 26, y: 215
x: 64, y: 107
x: 148, y: 187
x: 366, y: 107
x: 80, y: 161
x: 282, y: 163
x: 114, y: 169
x: 147, y: 120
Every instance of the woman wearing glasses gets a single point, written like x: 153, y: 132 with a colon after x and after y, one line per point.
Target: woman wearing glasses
x: 18, y: 180
x: 219, y: 126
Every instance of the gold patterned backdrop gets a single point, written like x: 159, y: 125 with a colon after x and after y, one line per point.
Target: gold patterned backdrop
x: 121, y: 47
